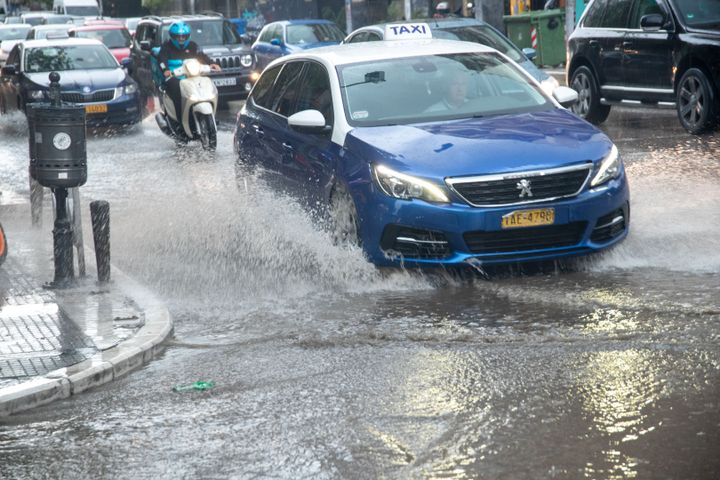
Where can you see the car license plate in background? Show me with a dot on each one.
(529, 218)
(96, 108)
(225, 82)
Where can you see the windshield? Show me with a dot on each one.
(322, 32)
(90, 11)
(435, 87)
(118, 38)
(33, 20)
(77, 57)
(13, 33)
(700, 13)
(484, 35)
(209, 33)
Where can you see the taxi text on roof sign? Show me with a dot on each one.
(407, 31)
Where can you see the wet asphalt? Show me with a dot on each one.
(326, 367)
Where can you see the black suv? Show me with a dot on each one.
(215, 36)
(649, 53)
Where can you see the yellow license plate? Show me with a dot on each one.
(529, 218)
(96, 108)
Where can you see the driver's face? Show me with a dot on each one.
(457, 90)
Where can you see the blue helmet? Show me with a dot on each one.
(180, 34)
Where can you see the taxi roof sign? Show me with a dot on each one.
(407, 31)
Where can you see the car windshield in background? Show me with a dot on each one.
(425, 89)
(700, 13)
(483, 35)
(322, 32)
(76, 57)
(83, 11)
(117, 38)
(34, 20)
(13, 33)
(209, 32)
(58, 19)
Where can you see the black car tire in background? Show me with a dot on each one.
(343, 218)
(208, 132)
(696, 102)
(588, 106)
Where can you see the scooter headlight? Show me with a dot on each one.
(193, 67)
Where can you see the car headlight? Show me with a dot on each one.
(406, 187)
(130, 88)
(246, 60)
(609, 168)
(37, 94)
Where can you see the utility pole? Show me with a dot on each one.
(192, 7)
(408, 9)
(348, 16)
(479, 10)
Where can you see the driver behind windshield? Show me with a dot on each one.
(172, 53)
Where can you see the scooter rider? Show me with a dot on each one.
(172, 53)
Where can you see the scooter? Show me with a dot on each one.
(199, 98)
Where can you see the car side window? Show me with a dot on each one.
(360, 37)
(261, 94)
(616, 14)
(287, 87)
(14, 56)
(594, 15)
(373, 37)
(265, 34)
(316, 92)
(642, 8)
(277, 33)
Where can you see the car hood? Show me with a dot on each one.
(506, 143)
(75, 80)
(219, 51)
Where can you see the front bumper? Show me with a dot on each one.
(124, 110)
(234, 85)
(416, 233)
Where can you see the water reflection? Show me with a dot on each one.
(617, 388)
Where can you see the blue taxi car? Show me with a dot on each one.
(434, 152)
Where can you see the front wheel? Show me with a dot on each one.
(343, 218)
(695, 102)
(588, 106)
(208, 132)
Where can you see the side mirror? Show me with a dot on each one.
(276, 41)
(308, 121)
(565, 96)
(145, 46)
(127, 64)
(530, 53)
(8, 71)
(654, 21)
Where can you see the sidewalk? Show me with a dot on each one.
(57, 343)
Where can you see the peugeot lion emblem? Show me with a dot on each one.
(86, 89)
(524, 187)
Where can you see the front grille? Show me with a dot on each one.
(98, 96)
(609, 226)
(228, 62)
(523, 239)
(414, 242)
(506, 189)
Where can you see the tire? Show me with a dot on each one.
(343, 218)
(588, 106)
(696, 102)
(3, 245)
(208, 132)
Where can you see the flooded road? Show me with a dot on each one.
(326, 367)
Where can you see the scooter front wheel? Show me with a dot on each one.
(208, 132)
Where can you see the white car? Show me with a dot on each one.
(5, 48)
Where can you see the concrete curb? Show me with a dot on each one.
(104, 366)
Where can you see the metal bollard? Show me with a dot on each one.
(62, 242)
(100, 217)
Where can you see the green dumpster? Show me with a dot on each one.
(549, 26)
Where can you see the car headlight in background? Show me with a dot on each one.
(246, 60)
(37, 94)
(609, 168)
(406, 187)
(130, 88)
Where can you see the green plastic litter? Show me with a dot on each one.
(200, 386)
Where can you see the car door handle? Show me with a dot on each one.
(287, 147)
(627, 44)
(259, 131)
(594, 43)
